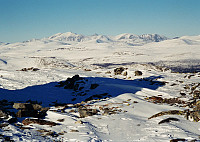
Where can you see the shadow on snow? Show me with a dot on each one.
(48, 93)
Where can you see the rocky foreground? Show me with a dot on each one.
(99, 109)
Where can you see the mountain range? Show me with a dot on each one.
(129, 38)
(125, 38)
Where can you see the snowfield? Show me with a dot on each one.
(100, 88)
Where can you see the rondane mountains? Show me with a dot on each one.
(98, 88)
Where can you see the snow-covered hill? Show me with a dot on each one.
(140, 39)
(2, 43)
(123, 82)
(127, 38)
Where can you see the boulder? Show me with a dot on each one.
(71, 83)
(125, 73)
(30, 110)
(27, 106)
(138, 73)
(118, 71)
(38, 121)
(84, 112)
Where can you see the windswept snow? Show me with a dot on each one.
(30, 71)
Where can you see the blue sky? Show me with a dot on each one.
(21, 20)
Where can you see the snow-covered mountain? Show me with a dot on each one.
(120, 88)
(184, 41)
(2, 43)
(123, 38)
(69, 36)
(139, 39)
(153, 37)
(145, 37)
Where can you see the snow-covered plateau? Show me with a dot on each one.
(77, 88)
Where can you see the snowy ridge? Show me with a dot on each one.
(2, 43)
(100, 88)
(142, 39)
(69, 36)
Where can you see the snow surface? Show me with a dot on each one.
(95, 57)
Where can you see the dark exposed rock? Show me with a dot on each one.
(195, 115)
(61, 120)
(74, 130)
(118, 71)
(97, 96)
(25, 128)
(108, 72)
(27, 106)
(31, 69)
(182, 94)
(81, 87)
(87, 69)
(30, 110)
(178, 140)
(125, 73)
(71, 83)
(170, 112)
(44, 109)
(38, 121)
(84, 112)
(170, 101)
(108, 111)
(35, 69)
(138, 73)
(168, 120)
(53, 134)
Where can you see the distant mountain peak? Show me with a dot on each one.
(133, 39)
(125, 37)
(68, 36)
(3, 43)
(153, 37)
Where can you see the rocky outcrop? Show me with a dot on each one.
(118, 71)
(29, 69)
(71, 83)
(82, 87)
(30, 110)
(138, 73)
(85, 112)
(38, 121)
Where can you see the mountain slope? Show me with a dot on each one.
(130, 38)
(100, 88)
